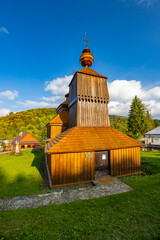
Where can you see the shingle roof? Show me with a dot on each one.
(29, 142)
(61, 118)
(87, 70)
(80, 139)
(20, 138)
(154, 131)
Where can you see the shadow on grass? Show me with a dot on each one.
(39, 163)
(25, 184)
(21, 185)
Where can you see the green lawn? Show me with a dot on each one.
(20, 175)
(132, 215)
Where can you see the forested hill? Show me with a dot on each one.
(119, 123)
(34, 121)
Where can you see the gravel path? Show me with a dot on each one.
(98, 189)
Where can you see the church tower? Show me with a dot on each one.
(81, 144)
(88, 96)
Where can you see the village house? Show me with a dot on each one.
(153, 137)
(5, 145)
(80, 140)
(25, 140)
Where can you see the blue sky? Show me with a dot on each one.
(41, 42)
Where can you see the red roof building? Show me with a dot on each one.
(25, 140)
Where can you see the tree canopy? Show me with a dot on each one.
(32, 121)
(139, 119)
(35, 120)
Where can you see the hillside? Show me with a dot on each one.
(119, 123)
(33, 121)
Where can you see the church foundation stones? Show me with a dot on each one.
(66, 195)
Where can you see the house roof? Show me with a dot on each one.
(82, 139)
(19, 137)
(61, 118)
(22, 136)
(154, 131)
(89, 71)
(29, 142)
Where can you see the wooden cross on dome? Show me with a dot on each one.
(85, 40)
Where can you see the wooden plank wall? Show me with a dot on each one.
(49, 162)
(71, 168)
(73, 108)
(93, 98)
(92, 113)
(92, 86)
(125, 161)
(73, 89)
(73, 115)
(55, 130)
(48, 131)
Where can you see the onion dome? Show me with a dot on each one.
(86, 59)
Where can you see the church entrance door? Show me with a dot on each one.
(102, 163)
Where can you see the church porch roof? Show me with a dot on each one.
(61, 118)
(82, 139)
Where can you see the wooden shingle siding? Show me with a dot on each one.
(81, 139)
(68, 168)
(125, 161)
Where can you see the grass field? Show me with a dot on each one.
(131, 216)
(20, 175)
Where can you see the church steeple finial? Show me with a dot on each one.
(85, 40)
(86, 59)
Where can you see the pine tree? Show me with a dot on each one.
(149, 121)
(137, 118)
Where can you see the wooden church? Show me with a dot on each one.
(80, 139)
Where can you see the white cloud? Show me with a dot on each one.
(4, 112)
(154, 93)
(4, 30)
(9, 94)
(1, 101)
(53, 99)
(34, 104)
(119, 108)
(122, 93)
(59, 85)
(154, 107)
(145, 3)
(125, 90)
